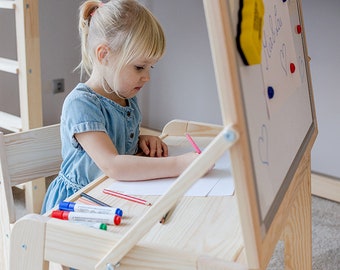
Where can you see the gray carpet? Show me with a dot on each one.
(326, 235)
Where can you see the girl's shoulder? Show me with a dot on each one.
(81, 90)
(81, 93)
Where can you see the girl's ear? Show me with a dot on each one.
(102, 53)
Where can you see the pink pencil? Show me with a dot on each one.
(126, 197)
(198, 150)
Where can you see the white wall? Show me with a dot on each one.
(182, 83)
(59, 55)
(60, 52)
(9, 92)
(322, 25)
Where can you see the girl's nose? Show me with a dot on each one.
(146, 77)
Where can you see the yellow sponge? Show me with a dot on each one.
(249, 31)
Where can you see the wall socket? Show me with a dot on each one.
(58, 86)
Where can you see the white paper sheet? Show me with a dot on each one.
(217, 182)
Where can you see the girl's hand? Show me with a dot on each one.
(153, 146)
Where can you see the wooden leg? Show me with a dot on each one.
(4, 248)
(34, 195)
(5, 231)
(27, 243)
(297, 234)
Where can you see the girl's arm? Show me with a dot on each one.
(100, 148)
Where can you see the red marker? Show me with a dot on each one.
(87, 217)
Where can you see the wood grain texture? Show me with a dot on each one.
(24, 156)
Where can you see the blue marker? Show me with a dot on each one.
(76, 207)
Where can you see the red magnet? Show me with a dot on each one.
(298, 29)
(292, 67)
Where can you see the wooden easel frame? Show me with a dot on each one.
(298, 196)
(292, 222)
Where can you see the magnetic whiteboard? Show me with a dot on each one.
(280, 125)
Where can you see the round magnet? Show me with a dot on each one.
(270, 92)
(298, 29)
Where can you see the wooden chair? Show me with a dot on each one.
(24, 156)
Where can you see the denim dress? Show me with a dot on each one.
(85, 110)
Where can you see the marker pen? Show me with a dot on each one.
(77, 207)
(87, 217)
(101, 226)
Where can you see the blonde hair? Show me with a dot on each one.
(125, 26)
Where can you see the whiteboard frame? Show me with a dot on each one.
(227, 62)
(269, 216)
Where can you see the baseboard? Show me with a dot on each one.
(326, 187)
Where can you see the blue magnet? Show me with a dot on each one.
(270, 92)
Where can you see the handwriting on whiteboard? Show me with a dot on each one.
(280, 64)
(270, 36)
(263, 145)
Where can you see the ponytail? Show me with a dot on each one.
(86, 12)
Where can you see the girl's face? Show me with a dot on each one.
(133, 77)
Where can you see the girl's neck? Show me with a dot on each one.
(98, 88)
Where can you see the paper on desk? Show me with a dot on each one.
(218, 182)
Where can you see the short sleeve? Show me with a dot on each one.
(81, 113)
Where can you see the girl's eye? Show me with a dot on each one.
(142, 67)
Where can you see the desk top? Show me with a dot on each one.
(208, 226)
(205, 225)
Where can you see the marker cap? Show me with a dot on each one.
(119, 212)
(103, 226)
(66, 206)
(60, 214)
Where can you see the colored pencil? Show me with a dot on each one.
(166, 217)
(126, 197)
(198, 150)
(87, 196)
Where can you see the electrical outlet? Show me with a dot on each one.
(58, 86)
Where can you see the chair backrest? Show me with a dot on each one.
(26, 156)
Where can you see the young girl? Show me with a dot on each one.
(120, 42)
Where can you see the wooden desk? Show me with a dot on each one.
(202, 233)
(208, 226)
